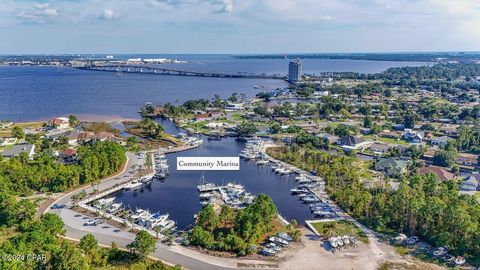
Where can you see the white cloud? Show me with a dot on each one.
(108, 14)
(217, 6)
(40, 12)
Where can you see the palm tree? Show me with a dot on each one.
(296, 235)
(157, 230)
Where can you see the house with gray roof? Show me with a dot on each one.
(471, 183)
(441, 141)
(353, 143)
(15, 150)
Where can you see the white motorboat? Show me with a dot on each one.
(133, 185)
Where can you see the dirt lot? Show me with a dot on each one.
(315, 254)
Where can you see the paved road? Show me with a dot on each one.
(106, 234)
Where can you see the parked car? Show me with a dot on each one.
(58, 206)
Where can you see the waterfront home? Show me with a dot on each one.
(214, 114)
(442, 174)
(391, 167)
(15, 150)
(441, 141)
(68, 156)
(471, 182)
(72, 137)
(467, 159)
(234, 106)
(85, 137)
(413, 136)
(103, 136)
(353, 143)
(60, 123)
(7, 141)
(199, 117)
(379, 148)
(55, 134)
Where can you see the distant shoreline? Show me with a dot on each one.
(82, 118)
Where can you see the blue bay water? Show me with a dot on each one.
(39, 93)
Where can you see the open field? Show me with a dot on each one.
(341, 227)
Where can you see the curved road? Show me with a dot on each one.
(106, 234)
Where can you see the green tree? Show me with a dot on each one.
(73, 121)
(246, 129)
(68, 257)
(143, 244)
(367, 121)
(18, 133)
(207, 219)
(88, 244)
(53, 224)
(226, 215)
(275, 128)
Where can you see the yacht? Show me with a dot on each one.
(134, 185)
(114, 207)
(262, 162)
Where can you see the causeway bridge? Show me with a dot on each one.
(120, 69)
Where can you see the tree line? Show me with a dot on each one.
(422, 205)
(46, 174)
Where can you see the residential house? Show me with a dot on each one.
(103, 136)
(85, 137)
(441, 141)
(442, 174)
(391, 167)
(449, 130)
(379, 148)
(412, 136)
(15, 150)
(234, 106)
(55, 134)
(61, 123)
(471, 183)
(68, 156)
(467, 159)
(202, 117)
(72, 137)
(353, 143)
(331, 138)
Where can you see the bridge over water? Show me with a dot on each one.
(176, 72)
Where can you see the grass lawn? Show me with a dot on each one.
(392, 141)
(238, 116)
(341, 227)
(477, 195)
(365, 165)
(199, 126)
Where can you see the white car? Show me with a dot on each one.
(90, 222)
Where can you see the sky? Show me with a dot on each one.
(237, 26)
